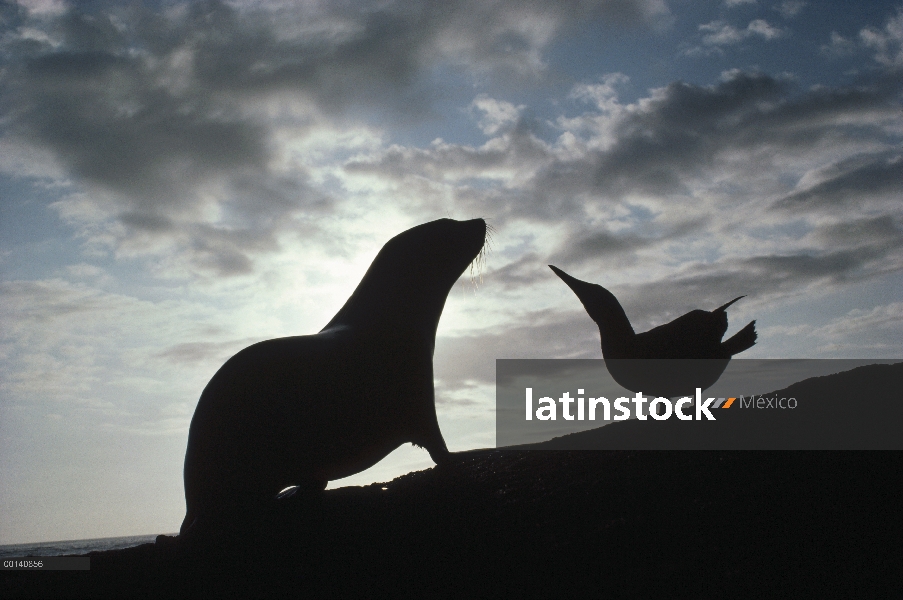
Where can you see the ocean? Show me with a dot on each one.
(75, 546)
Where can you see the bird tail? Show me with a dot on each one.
(724, 308)
(740, 341)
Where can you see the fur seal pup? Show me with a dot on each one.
(304, 410)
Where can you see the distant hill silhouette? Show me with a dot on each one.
(860, 409)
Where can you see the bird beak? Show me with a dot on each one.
(723, 308)
(581, 288)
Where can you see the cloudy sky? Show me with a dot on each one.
(180, 180)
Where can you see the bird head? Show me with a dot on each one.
(603, 308)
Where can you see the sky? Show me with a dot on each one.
(180, 180)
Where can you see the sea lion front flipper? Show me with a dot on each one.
(440, 455)
(431, 439)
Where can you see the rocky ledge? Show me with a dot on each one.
(546, 523)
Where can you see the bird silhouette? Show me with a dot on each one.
(669, 360)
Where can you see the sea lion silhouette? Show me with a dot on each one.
(301, 411)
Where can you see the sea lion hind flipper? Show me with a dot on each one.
(311, 487)
(188, 522)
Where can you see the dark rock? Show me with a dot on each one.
(534, 523)
(550, 523)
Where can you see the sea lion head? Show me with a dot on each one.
(408, 281)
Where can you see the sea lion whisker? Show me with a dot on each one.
(479, 262)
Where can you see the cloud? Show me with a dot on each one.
(533, 334)
(765, 279)
(175, 124)
(679, 131)
(496, 113)
(850, 182)
(46, 325)
(77, 347)
(684, 134)
(203, 352)
(872, 332)
(790, 8)
(722, 34)
(867, 321)
(523, 272)
(839, 46)
(599, 248)
(515, 150)
(604, 95)
(888, 43)
(679, 173)
(655, 147)
(690, 196)
(877, 230)
(44, 7)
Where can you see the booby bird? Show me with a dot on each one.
(694, 337)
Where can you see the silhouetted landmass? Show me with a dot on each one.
(511, 523)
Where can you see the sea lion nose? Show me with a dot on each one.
(476, 230)
(478, 224)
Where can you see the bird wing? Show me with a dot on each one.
(696, 334)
